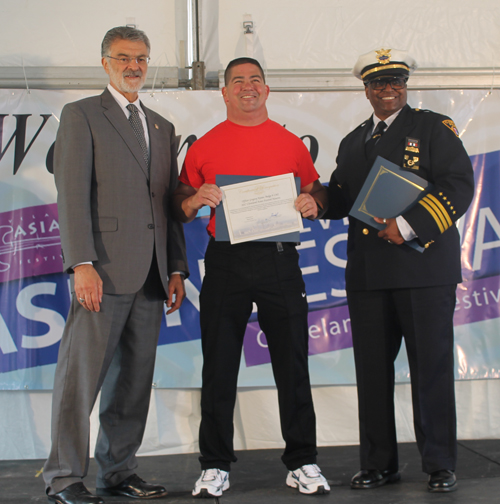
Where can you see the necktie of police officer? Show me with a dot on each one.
(377, 134)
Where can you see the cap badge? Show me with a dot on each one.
(384, 56)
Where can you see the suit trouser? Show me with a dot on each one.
(114, 351)
(236, 276)
(424, 317)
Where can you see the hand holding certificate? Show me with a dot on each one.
(261, 208)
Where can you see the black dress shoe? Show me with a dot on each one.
(134, 487)
(373, 478)
(442, 481)
(75, 494)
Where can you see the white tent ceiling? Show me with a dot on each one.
(303, 45)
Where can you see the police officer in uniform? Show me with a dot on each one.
(394, 291)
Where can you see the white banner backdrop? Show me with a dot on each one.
(34, 294)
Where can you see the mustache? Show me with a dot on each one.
(132, 73)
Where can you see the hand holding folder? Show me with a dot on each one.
(388, 192)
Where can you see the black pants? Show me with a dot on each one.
(424, 317)
(235, 277)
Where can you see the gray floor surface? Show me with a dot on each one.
(259, 477)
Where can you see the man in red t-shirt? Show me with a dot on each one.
(236, 276)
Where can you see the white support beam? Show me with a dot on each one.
(65, 77)
(343, 80)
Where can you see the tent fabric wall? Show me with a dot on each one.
(288, 34)
(333, 33)
(69, 32)
(174, 418)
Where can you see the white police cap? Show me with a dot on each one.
(384, 62)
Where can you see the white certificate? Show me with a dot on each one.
(261, 208)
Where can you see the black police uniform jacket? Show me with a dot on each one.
(373, 263)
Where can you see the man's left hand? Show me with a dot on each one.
(176, 292)
(306, 205)
(391, 232)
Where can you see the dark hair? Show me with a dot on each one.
(242, 61)
(123, 33)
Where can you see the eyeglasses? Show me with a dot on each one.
(380, 84)
(141, 60)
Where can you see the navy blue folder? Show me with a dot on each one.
(388, 192)
(221, 232)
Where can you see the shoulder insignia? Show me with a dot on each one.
(360, 126)
(451, 125)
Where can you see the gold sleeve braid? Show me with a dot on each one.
(439, 210)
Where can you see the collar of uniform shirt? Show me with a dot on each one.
(123, 102)
(387, 121)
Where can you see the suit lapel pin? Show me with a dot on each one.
(156, 126)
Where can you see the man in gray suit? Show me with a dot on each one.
(115, 168)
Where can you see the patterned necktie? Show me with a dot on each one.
(377, 134)
(136, 123)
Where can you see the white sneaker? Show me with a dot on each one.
(308, 479)
(211, 483)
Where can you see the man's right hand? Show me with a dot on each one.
(88, 287)
(187, 200)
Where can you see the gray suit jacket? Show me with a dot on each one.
(110, 213)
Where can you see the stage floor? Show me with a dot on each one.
(259, 477)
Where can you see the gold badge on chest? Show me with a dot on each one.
(411, 159)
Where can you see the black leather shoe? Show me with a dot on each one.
(366, 479)
(75, 494)
(442, 481)
(134, 487)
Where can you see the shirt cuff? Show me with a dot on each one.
(405, 229)
(79, 264)
(182, 273)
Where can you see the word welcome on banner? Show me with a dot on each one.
(35, 294)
